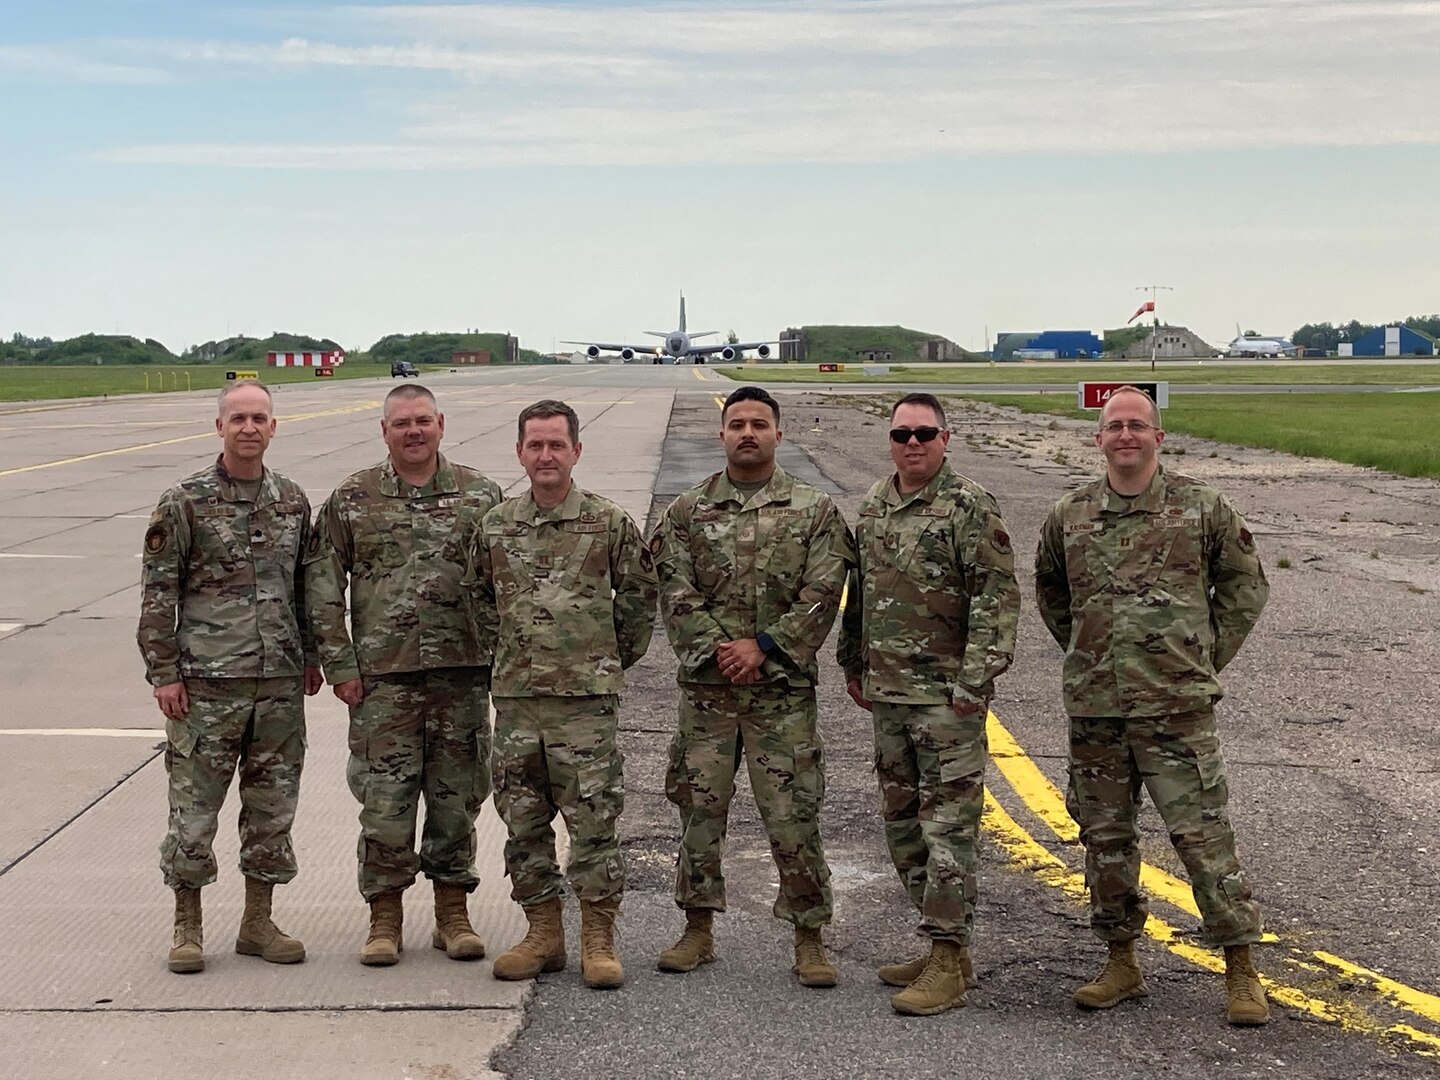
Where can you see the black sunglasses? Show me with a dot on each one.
(902, 435)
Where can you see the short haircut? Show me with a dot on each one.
(1128, 389)
(236, 384)
(752, 393)
(543, 410)
(930, 401)
(408, 392)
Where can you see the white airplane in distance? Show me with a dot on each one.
(1247, 345)
(678, 346)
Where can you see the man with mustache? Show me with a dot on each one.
(415, 675)
(228, 651)
(751, 565)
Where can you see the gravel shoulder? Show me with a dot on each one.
(1329, 729)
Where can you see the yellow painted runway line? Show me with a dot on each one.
(696, 373)
(362, 407)
(1027, 854)
(719, 402)
(1046, 802)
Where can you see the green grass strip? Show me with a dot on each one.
(45, 382)
(1300, 373)
(1398, 433)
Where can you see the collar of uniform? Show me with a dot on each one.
(568, 509)
(394, 486)
(777, 489)
(225, 485)
(1149, 501)
(895, 499)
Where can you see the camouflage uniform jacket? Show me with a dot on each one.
(1149, 597)
(932, 616)
(222, 588)
(730, 569)
(566, 594)
(403, 550)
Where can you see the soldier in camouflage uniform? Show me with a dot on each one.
(228, 653)
(929, 625)
(565, 587)
(415, 674)
(751, 565)
(1150, 583)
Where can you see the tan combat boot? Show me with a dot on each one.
(187, 951)
(386, 940)
(1245, 1004)
(1118, 981)
(904, 974)
(696, 945)
(258, 935)
(542, 948)
(599, 966)
(453, 931)
(810, 962)
(939, 987)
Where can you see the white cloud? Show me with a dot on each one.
(49, 64)
(870, 81)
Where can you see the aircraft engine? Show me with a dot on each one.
(627, 355)
(730, 353)
(762, 351)
(592, 351)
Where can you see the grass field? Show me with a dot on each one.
(43, 382)
(1298, 373)
(1395, 432)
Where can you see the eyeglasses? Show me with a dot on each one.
(902, 435)
(1137, 427)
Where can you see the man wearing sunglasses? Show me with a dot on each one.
(1150, 583)
(928, 626)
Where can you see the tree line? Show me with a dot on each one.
(1327, 338)
(247, 352)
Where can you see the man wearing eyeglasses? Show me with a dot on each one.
(1150, 583)
(928, 627)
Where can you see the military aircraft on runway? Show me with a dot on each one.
(678, 346)
(1255, 345)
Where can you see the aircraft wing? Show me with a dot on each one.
(647, 347)
(739, 346)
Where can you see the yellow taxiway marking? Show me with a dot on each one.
(93, 732)
(1044, 800)
(363, 406)
(696, 372)
(719, 402)
(111, 424)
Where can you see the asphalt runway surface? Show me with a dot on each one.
(1329, 731)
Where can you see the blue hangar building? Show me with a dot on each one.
(1050, 345)
(1393, 341)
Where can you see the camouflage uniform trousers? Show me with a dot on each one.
(257, 725)
(931, 768)
(557, 755)
(421, 733)
(1177, 759)
(774, 728)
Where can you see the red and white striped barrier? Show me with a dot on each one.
(304, 359)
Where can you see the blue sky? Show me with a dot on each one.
(187, 170)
